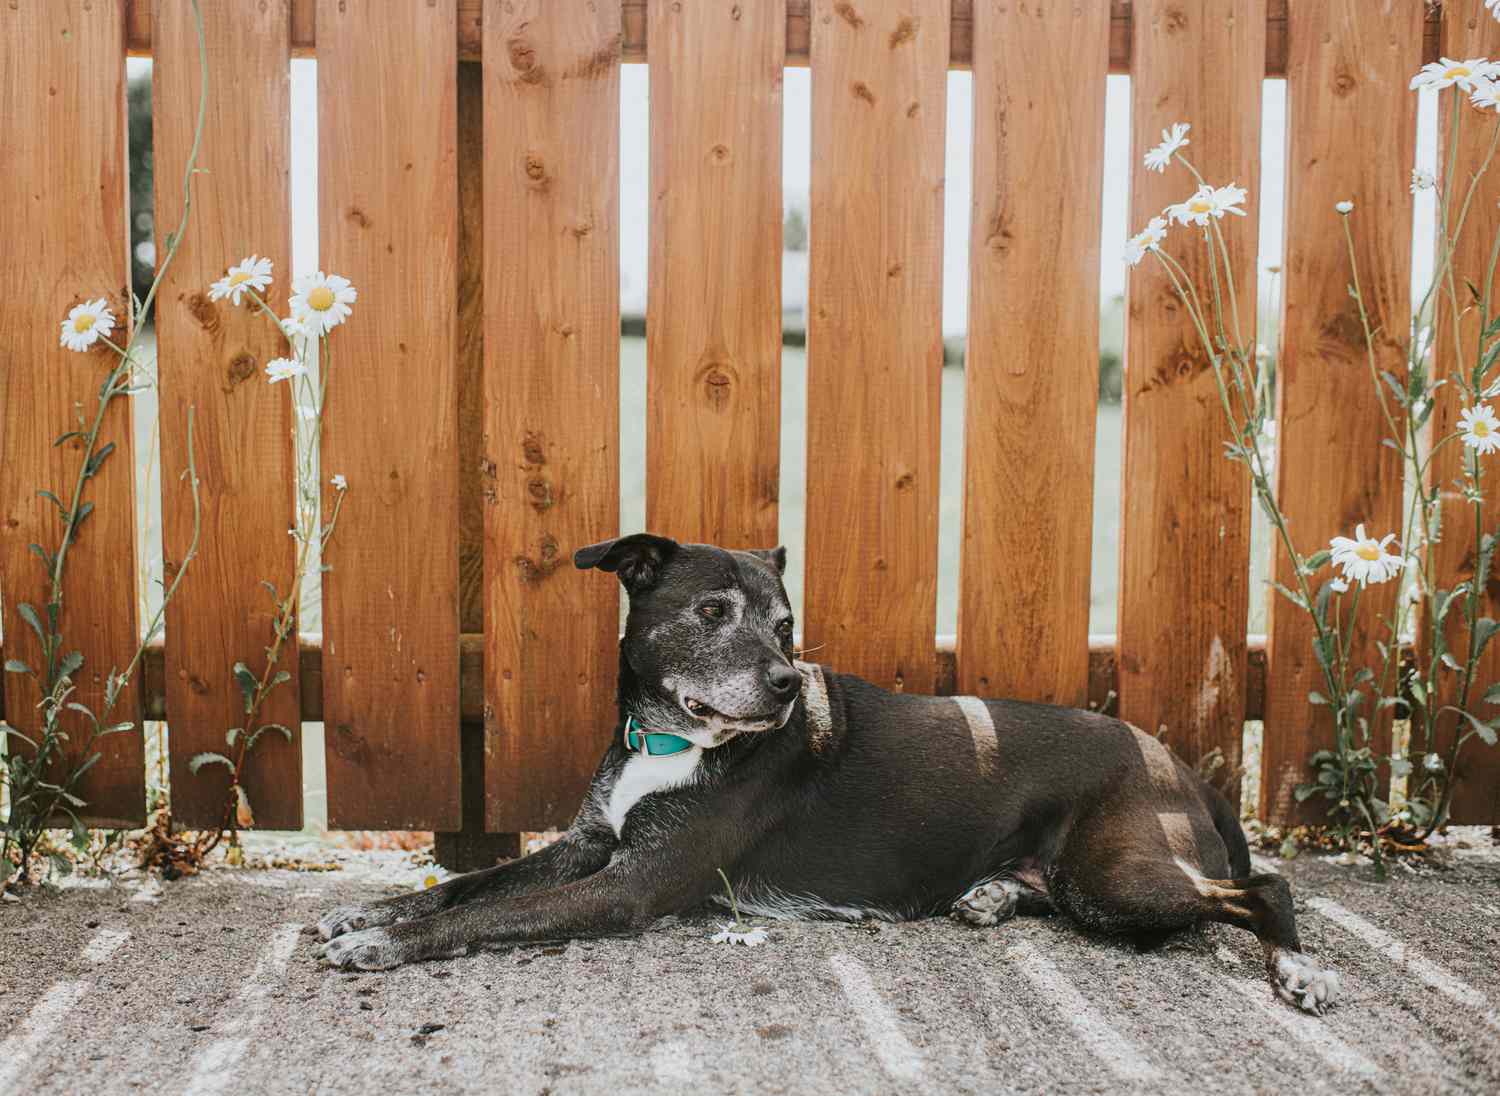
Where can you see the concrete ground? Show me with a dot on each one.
(211, 984)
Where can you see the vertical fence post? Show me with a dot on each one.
(1032, 365)
(63, 240)
(1351, 129)
(1185, 509)
(1468, 30)
(874, 336)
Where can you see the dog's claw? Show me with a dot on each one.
(372, 949)
(987, 904)
(341, 920)
(1299, 981)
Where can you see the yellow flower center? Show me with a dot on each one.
(238, 278)
(320, 299)
(1369, 550)
(83, 323)
(1457, 72)
(1481, 429)
(1200, 205)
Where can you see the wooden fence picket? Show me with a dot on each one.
(713, 310)
(387, 210)
(212, 357)
(1347, 77)
(552, 354)
(874, 336)
(1473, 32)
(1185, 509)
(63, 227)
(1032, 363)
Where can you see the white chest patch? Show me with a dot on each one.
(643, 775)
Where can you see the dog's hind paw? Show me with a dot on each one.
(988, 903)
(1298, 980)
(372, 949)
(347, 919)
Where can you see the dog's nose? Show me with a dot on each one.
(783, 680)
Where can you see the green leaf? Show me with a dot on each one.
(1305, 792)
(97, 460)
(1315, 697)
(1484, 630)
(83, 512)
(232, 734)
(1293, 596)
(28, 614)
(41, 554)
(282, 676)
(61, 438)
(208, 758)
(1316, 560)
(1492, 694)
(248, 685)
(71, 663)
(16, 666)
(287, 731)
(54, 500)
(1485, 732)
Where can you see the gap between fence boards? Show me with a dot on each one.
(1103, 676)
(798, 32)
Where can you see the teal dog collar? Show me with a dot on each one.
(651, 743)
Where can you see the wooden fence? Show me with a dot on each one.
(478, 392)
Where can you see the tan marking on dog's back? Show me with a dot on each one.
(982, 729)
(815, 700)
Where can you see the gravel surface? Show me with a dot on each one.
(210, 984)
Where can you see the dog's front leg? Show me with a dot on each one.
(580, 852)
(627, 896)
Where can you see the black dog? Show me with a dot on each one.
(822, 796)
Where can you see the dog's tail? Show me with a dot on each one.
(1231, 831)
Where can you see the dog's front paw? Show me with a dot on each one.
(348, 919)
(1298, 980)
(372, 949)
(988, 903)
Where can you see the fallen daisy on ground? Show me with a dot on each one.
(738, 933)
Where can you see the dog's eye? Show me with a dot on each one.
(784, 629)
(714, 610)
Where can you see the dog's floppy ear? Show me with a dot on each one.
(638, 559)
(776, 557)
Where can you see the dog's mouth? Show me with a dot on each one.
(707, 713)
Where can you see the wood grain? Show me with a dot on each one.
(1031, 369)
(874, 340)
(1466, 26)
(63, 223)
(1185, 521)
(1347, 93)
(212, 358)
(387, 207)
(552, 418)
(713, 311)
(472, 484)
(798, 31)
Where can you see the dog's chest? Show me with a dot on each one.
(643, 775)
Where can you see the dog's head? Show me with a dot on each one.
(708, 639)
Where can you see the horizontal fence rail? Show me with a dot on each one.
(465, 669)
(634, 37)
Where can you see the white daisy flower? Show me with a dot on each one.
(284, 369)
(1446, 72)
(1171, 140)
(736, 934)
(86, 324)
(322, 301)
(1421, 178)
(293, 328)
(1480, 428)
(1364, 559)
(339, 483)
(1208, 201)
(1345, 207)
(1493, 6)
(1145, 240)
(1486, 95)
(250, 273)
